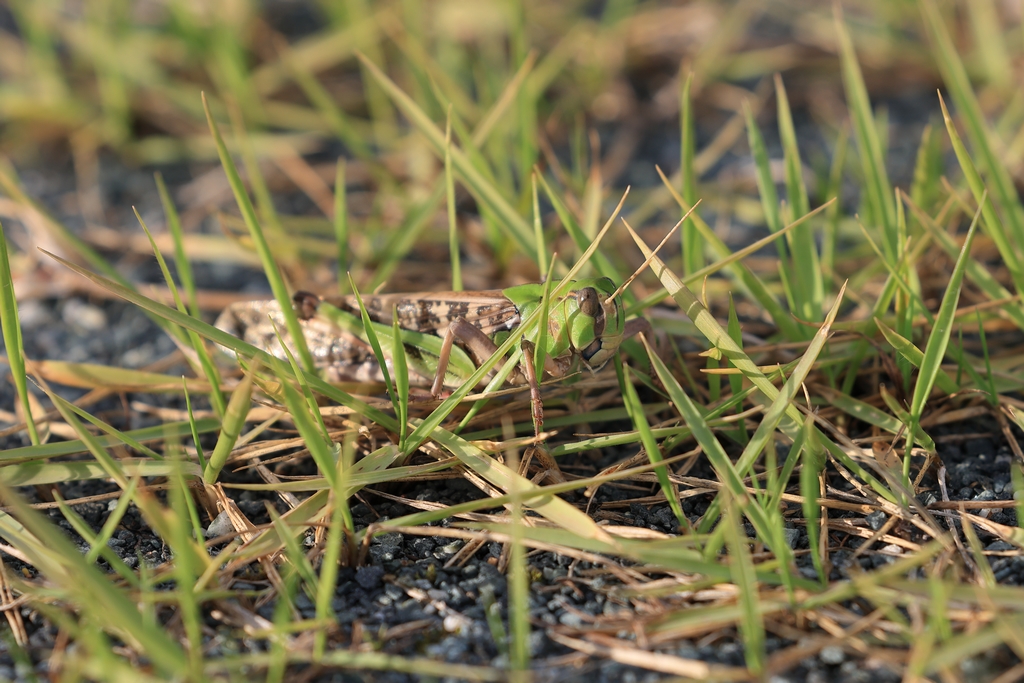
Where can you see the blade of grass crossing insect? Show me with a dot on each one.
(813, 462)
(636, 414)
(449, 189)
(262, 248)
(809, 290)
(959, 84)
(371, 336)
(935, 349)
(495, 383)
(693, 256)
(234, 420)
(993, 223)
(11, 325)
(205, 362)
(301, 379)
(540, 352)
(401, 367)
(741, 567)
(341, 221)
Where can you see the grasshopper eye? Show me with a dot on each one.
(305, 304)
(588, 301)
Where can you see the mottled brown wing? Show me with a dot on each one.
(343, 356)
(431, 312)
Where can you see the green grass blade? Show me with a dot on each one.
(1005, 197)
(262, 247)
(744, 576)
(693, 248)
(804, 271)
(1007, 242)
(935, 349)
(340, 222)
(721, 341)
(876, 179)
(484, 190)
(234, 420)
(12, 338)
(636, 414)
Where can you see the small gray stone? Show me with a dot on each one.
(876, 520)
(82, 316)
(832, 655)
(219, 526)
(369, 576)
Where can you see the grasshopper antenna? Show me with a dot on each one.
(650, 258)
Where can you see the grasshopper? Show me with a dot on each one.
(446, 335)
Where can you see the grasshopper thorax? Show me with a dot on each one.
(597, 325)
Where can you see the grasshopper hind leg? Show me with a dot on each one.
(482, 347)
(479, 345)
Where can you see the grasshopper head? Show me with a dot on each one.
(597, 328)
